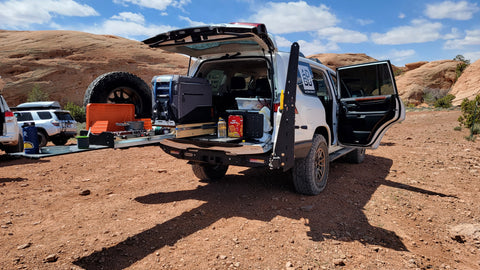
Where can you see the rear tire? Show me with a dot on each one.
(42, 138)
(60, 140)
(209, 172)
(15, 148)
(356, 156)
(311, 173)
(121, 88)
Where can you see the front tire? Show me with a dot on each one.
(311, 173)
(121, 88)
(209, 172)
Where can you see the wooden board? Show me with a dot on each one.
(198, 129)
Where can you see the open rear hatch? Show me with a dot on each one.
(222, 39)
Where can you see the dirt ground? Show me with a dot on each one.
(413, 204)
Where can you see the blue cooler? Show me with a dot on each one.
(30, 139)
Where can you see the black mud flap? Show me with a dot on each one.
(283, 155)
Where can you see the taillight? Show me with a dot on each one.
(9, 114)
(276, 106)
(56, 123)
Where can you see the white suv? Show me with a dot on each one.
(53, 124)
(11, 139)
(293, 112)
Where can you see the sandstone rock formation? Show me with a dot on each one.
(468, 85)
(63, 63)
(432, 76)
(334, 60)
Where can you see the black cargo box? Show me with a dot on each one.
(252, 123)
(191, 100)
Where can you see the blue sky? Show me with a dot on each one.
(403, 31)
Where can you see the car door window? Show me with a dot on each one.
(44, 115)
(24, 116)
(366, 81)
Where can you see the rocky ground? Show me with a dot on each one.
(413, 204)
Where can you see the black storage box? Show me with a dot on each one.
(252, 123)
(191, 100)
(183, 99)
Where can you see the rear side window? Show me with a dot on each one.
(23, 116)
(44, 115)
(64, 116)
(365, 81)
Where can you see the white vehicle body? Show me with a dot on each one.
(52, 123)
(11, 139)
(309, 114)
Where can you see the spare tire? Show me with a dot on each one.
(121, 88)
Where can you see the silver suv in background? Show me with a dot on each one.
(53, 124)
(11, 139)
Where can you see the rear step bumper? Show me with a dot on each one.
(226, 154)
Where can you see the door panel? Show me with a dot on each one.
(369, 103)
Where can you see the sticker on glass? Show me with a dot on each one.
(307, 80)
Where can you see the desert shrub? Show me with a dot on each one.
(37, 94)
(431, 95)
(457, 128)
(476, 129)
(77, 112)
(459, 69)
(461, 66)
(470, 112)
(444, 102)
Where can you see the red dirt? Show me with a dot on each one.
(413, 204)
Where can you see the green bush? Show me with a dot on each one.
(37, 94)
(470, 112)
(77, 112)
(444, 102)
(431, 95)
(457, 128)
(461, 66)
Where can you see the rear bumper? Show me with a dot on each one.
(244, 155)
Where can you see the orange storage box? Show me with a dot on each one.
(113, 113)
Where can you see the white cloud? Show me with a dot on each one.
(401, 16)
(419, 31)
(472, 56)
(472, 38)
(364, 22)
(129, 17)
(340, 35)
(155, 4)
(462, 10)
(454, 34)
(309, 48)
(128, 25)
(19, 14)
(282, 42)
(191, 22)
(291, 17)
(399, 57)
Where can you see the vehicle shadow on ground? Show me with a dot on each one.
(337, 213)
(9, 160)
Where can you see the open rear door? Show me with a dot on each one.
(369, 103)
(283, 155)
